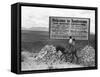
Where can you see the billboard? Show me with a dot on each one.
(64, 27)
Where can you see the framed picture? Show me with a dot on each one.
(52, 38)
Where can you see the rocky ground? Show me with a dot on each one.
(49, 58)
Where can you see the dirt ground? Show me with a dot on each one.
(30, 64)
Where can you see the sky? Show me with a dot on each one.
(39, 16)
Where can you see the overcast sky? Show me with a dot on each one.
(39, 17)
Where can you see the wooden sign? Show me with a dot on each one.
(64, 27)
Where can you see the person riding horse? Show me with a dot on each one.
(70, 52)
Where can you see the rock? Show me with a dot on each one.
(49, 56)
(87, 56)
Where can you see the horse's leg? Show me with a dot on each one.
(76, 57)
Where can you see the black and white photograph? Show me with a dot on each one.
(57, 38)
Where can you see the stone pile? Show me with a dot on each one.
(87, 56)
(48, 55)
